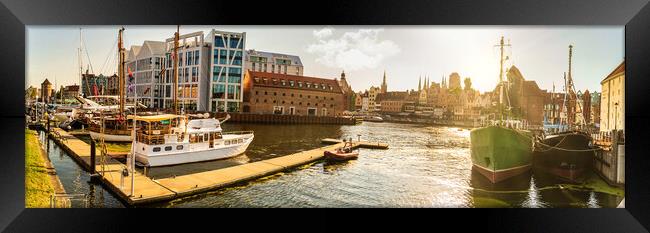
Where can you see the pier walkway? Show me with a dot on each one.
(148, 190)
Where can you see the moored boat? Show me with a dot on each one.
(341, 154)
(168, 139)
(499, 152)
(502, 149)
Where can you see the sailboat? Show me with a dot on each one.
(503, 149)
(116, 125)
(566, 153)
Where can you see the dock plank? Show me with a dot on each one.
(148, 190)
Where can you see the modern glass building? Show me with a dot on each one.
(227, 66)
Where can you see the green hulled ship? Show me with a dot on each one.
(501, 150)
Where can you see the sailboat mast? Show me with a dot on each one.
(120, 69)
(175, 55)
(80, 60)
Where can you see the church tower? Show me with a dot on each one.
(384, 86)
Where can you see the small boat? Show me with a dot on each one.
(341, 154)
(373, 119)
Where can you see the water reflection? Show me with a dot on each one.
(425, 166)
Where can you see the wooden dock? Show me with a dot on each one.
(148, 190)
(362, 144)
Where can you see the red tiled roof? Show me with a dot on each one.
(287, 77)
(615, 72)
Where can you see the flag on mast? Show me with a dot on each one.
(131, 86)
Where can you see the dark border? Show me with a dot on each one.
(635, 14)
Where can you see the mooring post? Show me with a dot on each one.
(92, 156)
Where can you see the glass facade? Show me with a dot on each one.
(227, 71)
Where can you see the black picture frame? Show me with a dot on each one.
(634, 14)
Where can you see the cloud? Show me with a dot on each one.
(353, 50)
(323, 33)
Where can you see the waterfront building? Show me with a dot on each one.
(553, 108)
(46, 91)
(145, 64)
(612, 105)
(348, 93)
(358, 101)
(92, 84)
(273, 93)
(112, 85)
(69, 92)
(365, 102)
(392, 102)
(372, 95)
(586, 106)
(227, 63)
(273, 62)
(595, 108)
(526, 98)
(193, 73)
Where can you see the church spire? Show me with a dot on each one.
(420, 83)
(384, 86)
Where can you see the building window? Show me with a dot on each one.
(197, 57)
(300, 85)
(219, 42)
(291, 94)
(291, 83)
(283, 94)
(275, 93)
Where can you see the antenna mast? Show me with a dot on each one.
(501, 80)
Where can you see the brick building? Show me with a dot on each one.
(526, 98)
(273, 93)
(392, 102)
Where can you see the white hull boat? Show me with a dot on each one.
(180, 153)
(165, 140)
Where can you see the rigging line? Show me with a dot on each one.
(108, 56)
(88, 56)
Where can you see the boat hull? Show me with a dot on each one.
(560, 155)
(168, 159)
(499, 153)
(111, 137)
(340, 157)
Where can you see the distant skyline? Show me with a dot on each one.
(406, 53)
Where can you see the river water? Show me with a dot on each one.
(425, 166)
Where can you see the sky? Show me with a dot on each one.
(405, 53)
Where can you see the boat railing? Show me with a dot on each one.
(150, 139)
(239, 132)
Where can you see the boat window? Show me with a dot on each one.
(240, 140)
(168, 148)
(156, 149)
(179, 147)
(226, 142)
(205, 136)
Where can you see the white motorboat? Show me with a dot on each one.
(168, 139)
